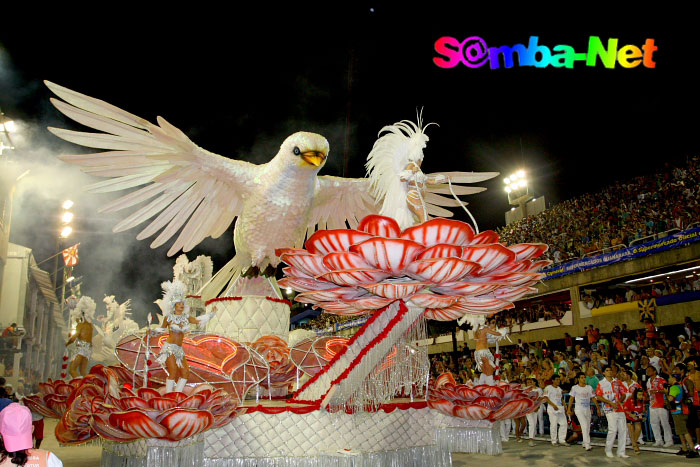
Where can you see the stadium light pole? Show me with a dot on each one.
(518, 190)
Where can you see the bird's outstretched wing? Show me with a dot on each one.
(433, 191)
(339, 200)
(186, 184)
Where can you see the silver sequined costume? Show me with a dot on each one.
(479, 354)
(168, 349)
(83, 348)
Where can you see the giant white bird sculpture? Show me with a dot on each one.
(277, 202)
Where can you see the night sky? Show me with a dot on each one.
(238, 83)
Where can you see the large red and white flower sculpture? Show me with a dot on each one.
(481, 402)
(173, 416)
(440, 265)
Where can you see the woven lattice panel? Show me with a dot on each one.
(288, 434)
(250, 318)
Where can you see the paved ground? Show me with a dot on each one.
(544, 454)
(514, 455)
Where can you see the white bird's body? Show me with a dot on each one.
(281, 198)
(199, 194)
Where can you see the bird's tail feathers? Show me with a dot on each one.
(223, 278)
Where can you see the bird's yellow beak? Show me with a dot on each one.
(314, 158)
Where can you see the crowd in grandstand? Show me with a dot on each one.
(616, 215)
(661, 362)
(324, 321)
(517, 317)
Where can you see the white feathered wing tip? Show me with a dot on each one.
(397, 146)
(173, 292)
(84, 309)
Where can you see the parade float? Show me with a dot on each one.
(371, 249)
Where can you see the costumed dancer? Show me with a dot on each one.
(485, 361)
(177, 321)
(416, 180)
(82, 314)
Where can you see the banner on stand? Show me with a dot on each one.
(637, 251)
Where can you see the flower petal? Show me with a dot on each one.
(330, 295)
(343, 260)
(488, 256)
(329, 241)
(484, 238)
(162, 403)
(388, 254)
(355, 277)
(127, 403)
(441, 270)
(442, 405)
(488, 402)
(511, 408)
(107, 431)
(445, 378)
(472, 412)
(395, 290)
(183, 423)
(440, 230)
(305, 262)
(441, 250)
(513, 293)
(137, 423)
(193, 402)
(303, 284)
(296, 273)
(148, 393)
(528, 250)
(380, 226)
(429, 300)
(465, 288)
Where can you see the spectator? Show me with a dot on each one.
(16, 446)
(658, 415)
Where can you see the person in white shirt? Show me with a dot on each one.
(583, 394)
(613, 393)
(654, 360)
(532, 417)
(555, 410)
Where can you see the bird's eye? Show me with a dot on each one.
(297, 151)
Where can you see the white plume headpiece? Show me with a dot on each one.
(173, 292)
(398, 145)
(84, 309)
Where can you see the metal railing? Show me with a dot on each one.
(605, 250)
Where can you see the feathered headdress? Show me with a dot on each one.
(84, 309)
(398, 145)
(173, 292)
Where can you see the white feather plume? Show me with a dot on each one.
(84, 309)
(173, 292)
(397, 146)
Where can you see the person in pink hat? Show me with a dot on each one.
(16, 440)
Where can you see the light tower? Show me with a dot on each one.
(521, 195)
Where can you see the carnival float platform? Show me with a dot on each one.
(276, 433)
